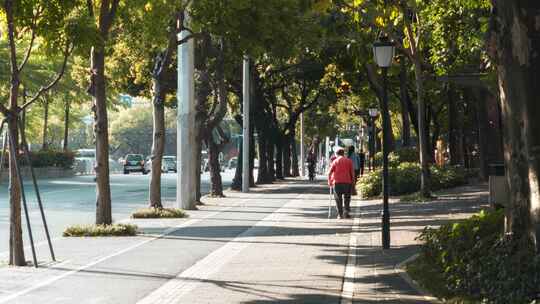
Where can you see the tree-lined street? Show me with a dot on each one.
(423, 111)
(274, 245)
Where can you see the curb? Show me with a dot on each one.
(400, 270)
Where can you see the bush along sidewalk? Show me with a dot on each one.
(152, 213)
(100, 230)
(472, 262)
(405, 179)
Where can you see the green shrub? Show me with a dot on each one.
(100, 230)
(474, 261)
(146, 213)
(405, 179)
(50, 158)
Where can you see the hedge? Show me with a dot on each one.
(50, 158)
(405, 179)
(472, 260)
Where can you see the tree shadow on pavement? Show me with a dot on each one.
(233, 231)
(301, 298)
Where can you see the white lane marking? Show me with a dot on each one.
(172, 291)
(347, 292)
(165, 233)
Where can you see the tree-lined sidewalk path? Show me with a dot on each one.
(274, 245)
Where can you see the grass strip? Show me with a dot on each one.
(152, 213)
(100, 230)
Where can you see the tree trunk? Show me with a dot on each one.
(286, 156)
(161, 64)
(425, 187)
(101, 129)
(378, 90)
(482, 127)
(237, 180)
(158, 143)
(262, 176)
(413, 110)
(427, 124)
(270, 160)
(44, 144)
(16, 245)
(107, 12)
(517, 44)
(66, 124)
(16, 256)
(294, 154)
(219, 114)
(216, 189)
(279, 157)
(435, 135)
(198, 164)
(406, 123)
(453, 134)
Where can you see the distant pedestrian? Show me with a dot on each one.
(341, 177)
(312, 161)
(355, 160)
(362, 156)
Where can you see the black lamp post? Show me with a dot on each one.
(373, 113)
(383, 50)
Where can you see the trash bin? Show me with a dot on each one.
(498, 187)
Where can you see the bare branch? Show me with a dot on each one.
(29, 50)
(67, 52)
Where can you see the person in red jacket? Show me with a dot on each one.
(341, 177)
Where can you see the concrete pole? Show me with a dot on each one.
(245, 127)
(186, 147)
(302, 152)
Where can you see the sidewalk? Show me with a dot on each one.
(274, 245)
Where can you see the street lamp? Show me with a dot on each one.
(383, 51)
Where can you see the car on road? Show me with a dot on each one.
(167, 164)
(134, 163)
(85, 161)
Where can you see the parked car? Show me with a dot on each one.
(85, 161)
(134, 163)
(167, 164)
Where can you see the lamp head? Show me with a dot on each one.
(383, 51)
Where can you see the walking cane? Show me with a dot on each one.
(330, 202)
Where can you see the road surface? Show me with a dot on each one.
(72, 200)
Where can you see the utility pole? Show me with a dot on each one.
(186, 147)
(245, 127)
(302, 152)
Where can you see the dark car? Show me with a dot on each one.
(134, 163)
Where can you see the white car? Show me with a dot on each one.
(168, 164)
(85, 161)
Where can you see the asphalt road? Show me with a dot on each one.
(70, 201)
